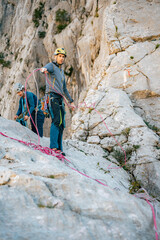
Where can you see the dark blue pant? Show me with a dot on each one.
(56, 135)
(39, 123)
(57, 125)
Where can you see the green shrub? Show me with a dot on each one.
(126, 131)
(4, 63)
(134, 186)
(136, 147)
(62, 16)
(41, 205)
(90, 110)
(152, 127)
(51, 176)
(117, 34)
(62, 19)
(44, 206)
(37, 15)
(120, 156)
(41, 34)
(60, 27)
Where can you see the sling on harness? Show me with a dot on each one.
(44, 105)
(20, 118)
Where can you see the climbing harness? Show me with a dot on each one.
(20, 118)
(44, 105)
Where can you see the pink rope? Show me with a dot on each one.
(154, 219)
(51, 152)
(149, 199)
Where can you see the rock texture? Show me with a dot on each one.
(123, 89)
(112, 72)
(42, 197)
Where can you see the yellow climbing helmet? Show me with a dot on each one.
(60, 51)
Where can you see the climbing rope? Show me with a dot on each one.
(143, 194)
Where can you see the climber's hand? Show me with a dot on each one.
(44, 70)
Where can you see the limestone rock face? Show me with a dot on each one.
(109, 44)
(42, 197)
(112, 72)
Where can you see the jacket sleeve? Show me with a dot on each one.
(49, 67)
(31, 105)
(66, 93)
(19, 108)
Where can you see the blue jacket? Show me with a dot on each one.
(32, 103)
(57, 81)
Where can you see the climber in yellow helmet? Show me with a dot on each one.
(56, 89)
